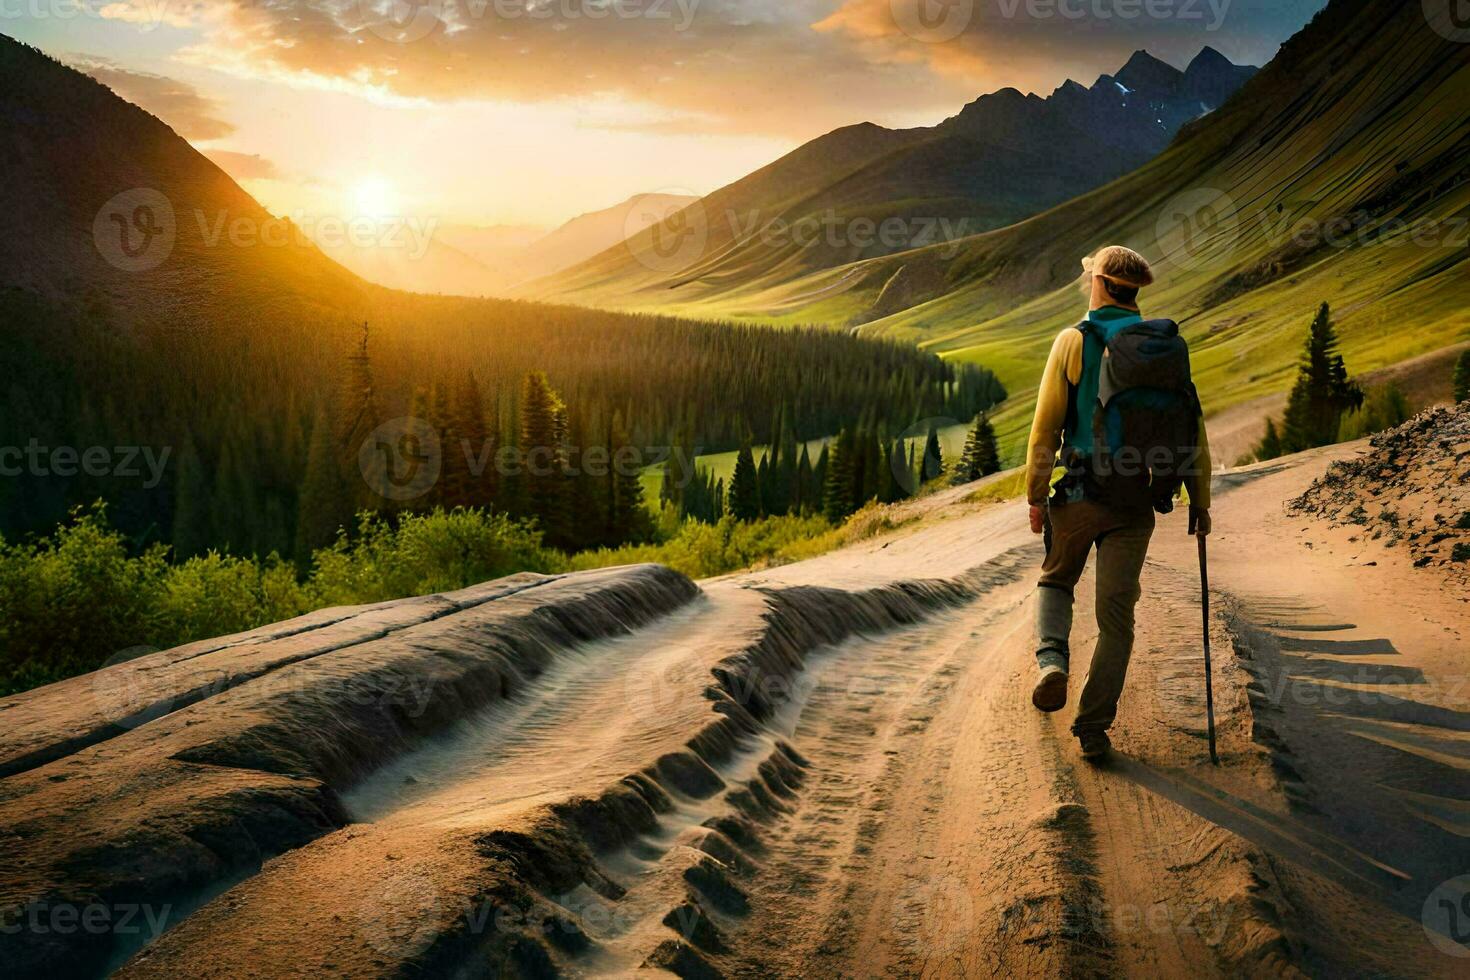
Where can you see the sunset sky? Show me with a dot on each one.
(533, 111)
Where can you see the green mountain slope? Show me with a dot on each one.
(864, 191)
(1341, 172)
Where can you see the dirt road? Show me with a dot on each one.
(826, 769)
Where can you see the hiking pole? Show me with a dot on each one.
(1204, 586)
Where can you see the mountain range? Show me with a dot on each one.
(865, 191)
(1338, 172)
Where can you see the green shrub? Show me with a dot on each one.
(1384, 408)
(72, 601)
(216, 594)
(703, 550)
(435, 552)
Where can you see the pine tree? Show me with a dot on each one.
(191, 529)
(232, 500)
(1270, 445)
(469, 450)
(679, 475)
(627, 519)
(894, 465)
(802, 494)
(745, 492)
(767, 482)
(359, 417)
(543, 456)
(933, 457)
(840, 491)
(788, 492)
(587, 489)
(1462, 377)
(967, 470)
(817, 489)
(987, 450)
(422, 411)
(1323, 393)
(322, 507)
(871, 459)
(701, 499)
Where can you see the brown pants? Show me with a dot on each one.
(1121, 538)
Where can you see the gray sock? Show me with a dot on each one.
(1053, 628)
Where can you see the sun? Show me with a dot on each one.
(374, 197)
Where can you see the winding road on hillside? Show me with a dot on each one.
(829, 769)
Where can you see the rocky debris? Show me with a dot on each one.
(1411, 489)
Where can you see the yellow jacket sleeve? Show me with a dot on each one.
(1198, 483)
(1063, 369)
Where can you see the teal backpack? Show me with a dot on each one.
(1145, 419)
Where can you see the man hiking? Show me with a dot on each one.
(1118, 402)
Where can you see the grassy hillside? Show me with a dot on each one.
(1338, 173)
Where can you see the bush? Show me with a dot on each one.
(72, 601)
(435, 552)
(215, 595)
(703, 550)
(1384, 408)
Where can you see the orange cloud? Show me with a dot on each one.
(752, 66)
(177, 103)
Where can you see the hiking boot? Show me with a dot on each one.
(1095, 745)
(1050, 693)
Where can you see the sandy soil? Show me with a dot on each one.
(826, 769)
